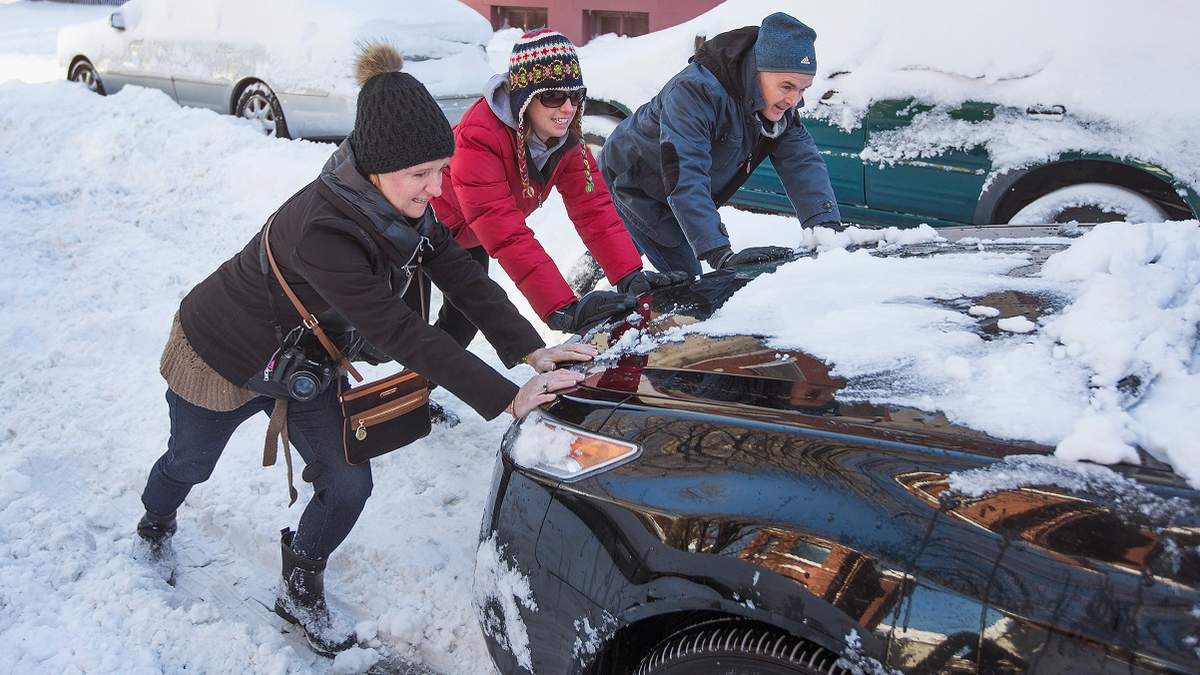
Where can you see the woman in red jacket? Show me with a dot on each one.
(515, 144)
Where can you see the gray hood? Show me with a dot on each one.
(496, 93)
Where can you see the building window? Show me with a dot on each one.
(525, 18)
(631, 24)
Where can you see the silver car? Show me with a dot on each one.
(285, 64)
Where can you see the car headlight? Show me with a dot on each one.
(552, 448)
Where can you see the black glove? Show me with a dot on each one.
(725, 257)
(590, 309)
(642, 281)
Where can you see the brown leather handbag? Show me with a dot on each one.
(379, 416)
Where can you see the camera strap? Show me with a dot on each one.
(307, 318)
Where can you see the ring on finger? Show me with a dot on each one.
(545, 387)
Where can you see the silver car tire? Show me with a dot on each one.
(83, 71)
(258, 103)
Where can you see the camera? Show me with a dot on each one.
(297, 376)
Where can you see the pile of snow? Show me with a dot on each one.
(305, 46)
(499, 48)
(1117, 367)
(1115, 68)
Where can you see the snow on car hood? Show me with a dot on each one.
(1103, 61)
(1088, 345)
(297, 46)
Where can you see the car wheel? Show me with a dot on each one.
(1090, 203)
(258, 103)
(84, 72)
(738, 650)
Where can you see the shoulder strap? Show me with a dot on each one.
(309, 319)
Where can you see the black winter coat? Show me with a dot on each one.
(348, 254)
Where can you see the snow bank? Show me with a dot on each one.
(111, 209)
(1115, 68)
(1110, 364)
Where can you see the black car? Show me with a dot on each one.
(728, 514)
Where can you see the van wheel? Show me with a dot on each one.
(738, 650)
(84, 72)
(258, 103)
(1090, 203)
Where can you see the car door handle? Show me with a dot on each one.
(1051, 112)
(831, 97)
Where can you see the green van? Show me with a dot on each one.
(961, 187)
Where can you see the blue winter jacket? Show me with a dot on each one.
(685, 146)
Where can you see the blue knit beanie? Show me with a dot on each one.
(785, 45)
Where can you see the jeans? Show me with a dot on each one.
(450, 320)
(652, 226)
(199, 435)
(665, 258)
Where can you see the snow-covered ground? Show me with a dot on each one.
(111, 209)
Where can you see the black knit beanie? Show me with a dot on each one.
(398, 123)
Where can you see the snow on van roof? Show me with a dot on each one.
(1105, 62)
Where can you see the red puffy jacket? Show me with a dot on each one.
(482, 203)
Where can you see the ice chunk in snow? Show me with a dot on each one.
(983, 310)
(1016, 324)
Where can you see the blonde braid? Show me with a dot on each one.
(522, 135)
(577, 130)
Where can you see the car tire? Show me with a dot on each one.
(83, 71)
(1089, 203)
(738, 649)
(258, 103)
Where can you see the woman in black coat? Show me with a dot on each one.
(348, 244)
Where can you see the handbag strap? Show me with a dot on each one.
(309, 319)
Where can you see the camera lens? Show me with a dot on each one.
(303, 386)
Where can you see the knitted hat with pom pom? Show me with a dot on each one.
(398, 124)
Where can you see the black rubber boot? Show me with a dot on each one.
(155, 532)
(301, 601)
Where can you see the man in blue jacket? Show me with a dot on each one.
(686, 152)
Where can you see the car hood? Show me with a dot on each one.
(741, 377)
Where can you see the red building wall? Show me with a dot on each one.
(569, 17)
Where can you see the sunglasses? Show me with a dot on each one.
(555, 99)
